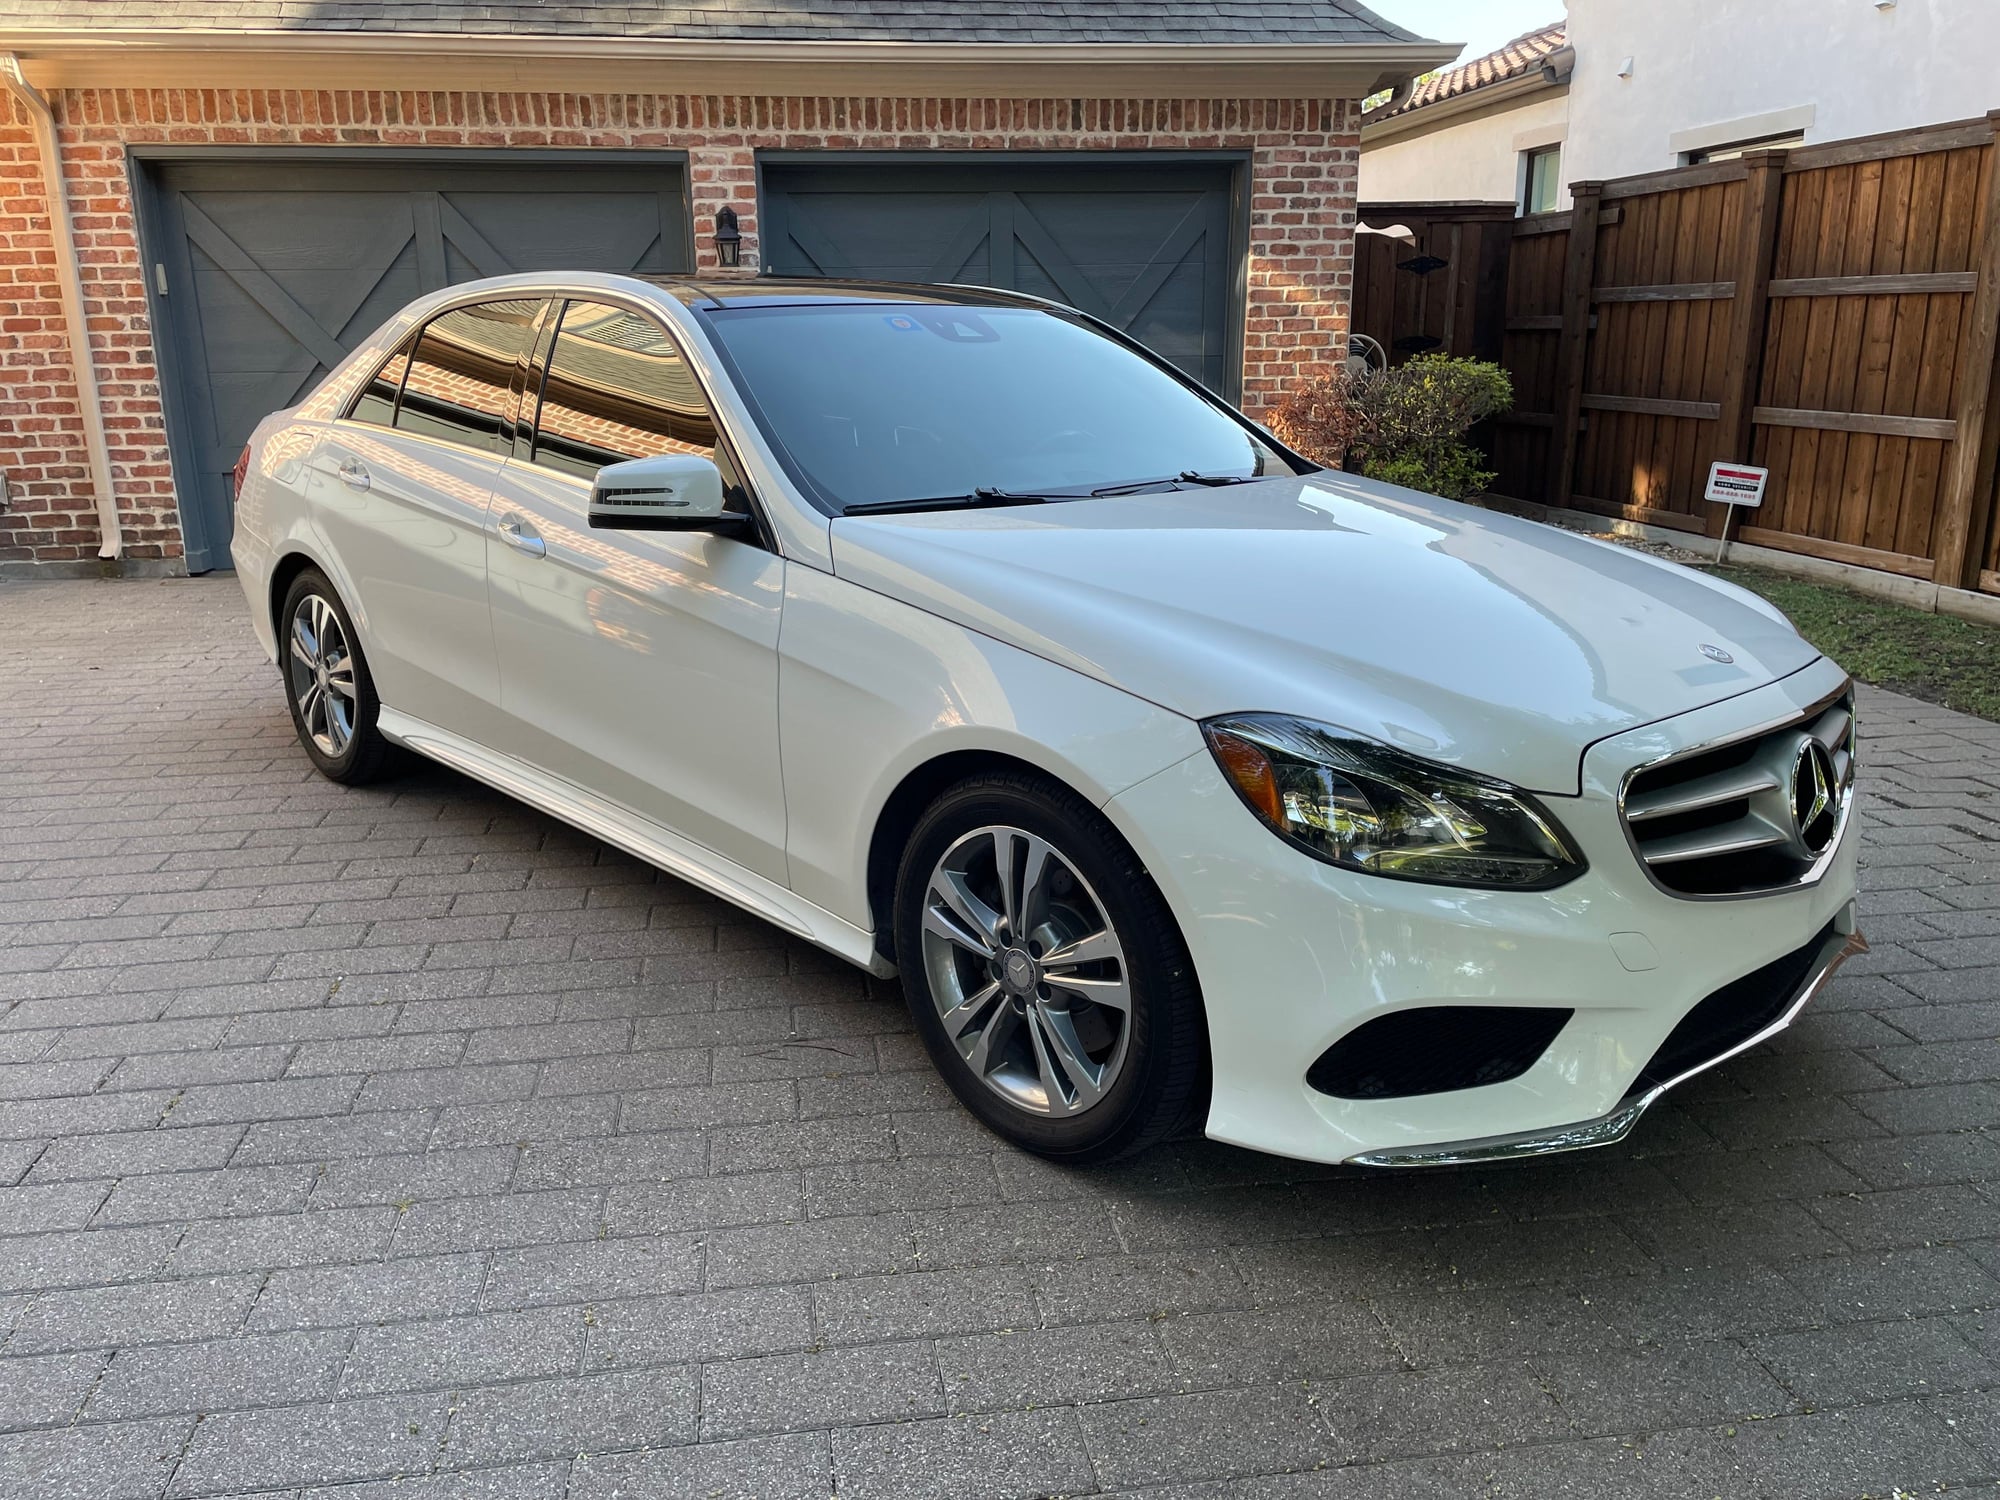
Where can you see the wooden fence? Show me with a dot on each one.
(1829, 312)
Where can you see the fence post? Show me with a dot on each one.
(1489, 288)
(1967, 502)
(1749, 313)
(1573, 350)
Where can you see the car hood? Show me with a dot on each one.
(1465, 635)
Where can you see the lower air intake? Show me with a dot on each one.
(1435, 1049)
(1731, 1016)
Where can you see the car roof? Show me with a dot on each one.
(767, 291)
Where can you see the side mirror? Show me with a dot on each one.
(674, 492)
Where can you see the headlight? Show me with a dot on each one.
(1363, 806)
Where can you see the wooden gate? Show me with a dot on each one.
(1428, 278)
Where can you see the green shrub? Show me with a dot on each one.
(1405, 425)
(1452, 471)
(1432, 401)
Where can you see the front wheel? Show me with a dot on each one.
(327, 684)
(1045, 973)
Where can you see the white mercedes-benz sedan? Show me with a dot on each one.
(1182, 781)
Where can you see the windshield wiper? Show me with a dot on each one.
(984, 495)
(1186, 476)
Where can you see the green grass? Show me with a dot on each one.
(1939, 658)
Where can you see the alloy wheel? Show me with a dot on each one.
(1027, 972)
(321, 664)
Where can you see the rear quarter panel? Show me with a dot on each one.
(273, 517)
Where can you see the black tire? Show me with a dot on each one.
(362, 755)
(1163, 1078)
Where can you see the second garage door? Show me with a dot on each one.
(270, 271)
(1146, 248)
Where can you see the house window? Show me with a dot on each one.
(1541, 179)
(1734, 149)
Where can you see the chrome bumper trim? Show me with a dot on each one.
(1609, 1129)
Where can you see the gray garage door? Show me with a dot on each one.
(273, 270)
(1146, 248)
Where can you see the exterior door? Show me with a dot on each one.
(399, 488)
(641, 665)
(1147, 248)
(267, 272)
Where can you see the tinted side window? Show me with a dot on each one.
(617, 388)
(462, 371)
(377, 401)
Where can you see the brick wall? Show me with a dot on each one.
(51, 512)
(1304, 156)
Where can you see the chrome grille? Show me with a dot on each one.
(1753, 815)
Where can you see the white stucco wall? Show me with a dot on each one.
(1471, 160)
(1848, 67)
(1706, 72)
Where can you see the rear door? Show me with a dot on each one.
(400, 487)
(641, 665)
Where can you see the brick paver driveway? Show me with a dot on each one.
(354, 1134)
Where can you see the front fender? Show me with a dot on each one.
(871, 689)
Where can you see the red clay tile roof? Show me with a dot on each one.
(1525, 54)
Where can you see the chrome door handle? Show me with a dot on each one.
(516, 534)
(353, 473)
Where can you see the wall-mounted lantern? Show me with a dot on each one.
(728, 238)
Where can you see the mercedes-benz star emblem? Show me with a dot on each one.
(1018, 970)
(1716, 653)
(1812, 796)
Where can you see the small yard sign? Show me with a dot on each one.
(1737, 484)
(1733, 485)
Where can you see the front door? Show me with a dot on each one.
(640, 665)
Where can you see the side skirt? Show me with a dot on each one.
(638, 836)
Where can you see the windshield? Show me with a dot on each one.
(883, 402)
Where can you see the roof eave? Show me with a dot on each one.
(664, 65)
(1426, 116)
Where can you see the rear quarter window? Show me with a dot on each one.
(376, 404)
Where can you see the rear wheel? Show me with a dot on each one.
(1045, 973)
(332, 696)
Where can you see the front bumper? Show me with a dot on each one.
(1608, 1129)
(1294, 954)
